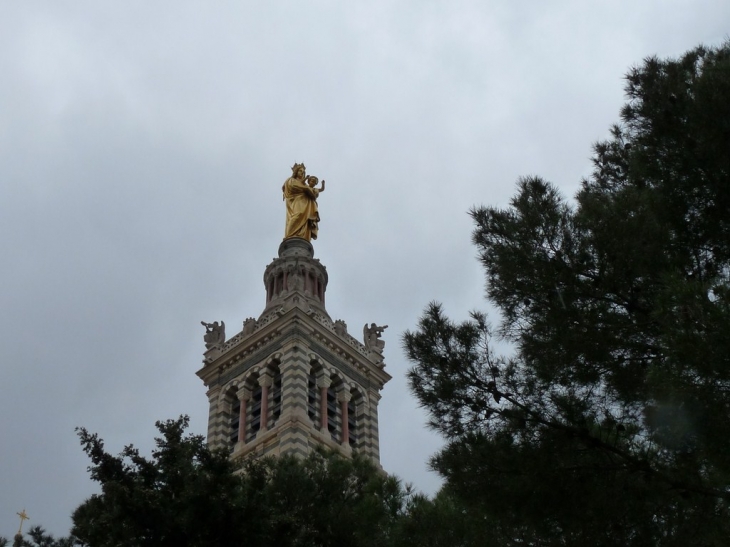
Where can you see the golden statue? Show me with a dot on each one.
(300, 194)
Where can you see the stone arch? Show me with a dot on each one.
(253, 405)
(230, 409)
(261, 390)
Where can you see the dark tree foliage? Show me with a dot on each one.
(444, 521)
(186, 495)
(38, 537)
(183, 495)
(610, 422)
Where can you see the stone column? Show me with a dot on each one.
(344, 396)
(265, 381)
(243, 395)
(294, 368)
(215, 420)
(360, 409)
(323, 383)
(373, 437)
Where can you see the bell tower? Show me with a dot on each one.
(293, 379)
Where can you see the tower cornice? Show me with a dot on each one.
(282, 327)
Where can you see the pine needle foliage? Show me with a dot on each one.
(609, 424)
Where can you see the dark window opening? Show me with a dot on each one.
(255, 414)
(275, 400)
(352, 424)
(312, 399)
(234, 424)
(332, 414)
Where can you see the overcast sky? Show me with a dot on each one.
(143, 146)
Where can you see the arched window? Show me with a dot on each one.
(233, 408)
(234, 425)
(333, 423)
(352, 424)
(314, 394)
(274, 397)
(253, 412)
(334, 410)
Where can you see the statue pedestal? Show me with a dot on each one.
(296, 246)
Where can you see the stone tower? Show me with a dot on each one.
(293, 379)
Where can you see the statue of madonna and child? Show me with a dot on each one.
(302, 214)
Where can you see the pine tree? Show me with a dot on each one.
(188, 495)
(609, 424)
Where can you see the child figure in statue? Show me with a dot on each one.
(312, 181)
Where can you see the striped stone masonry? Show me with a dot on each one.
(293, 379)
